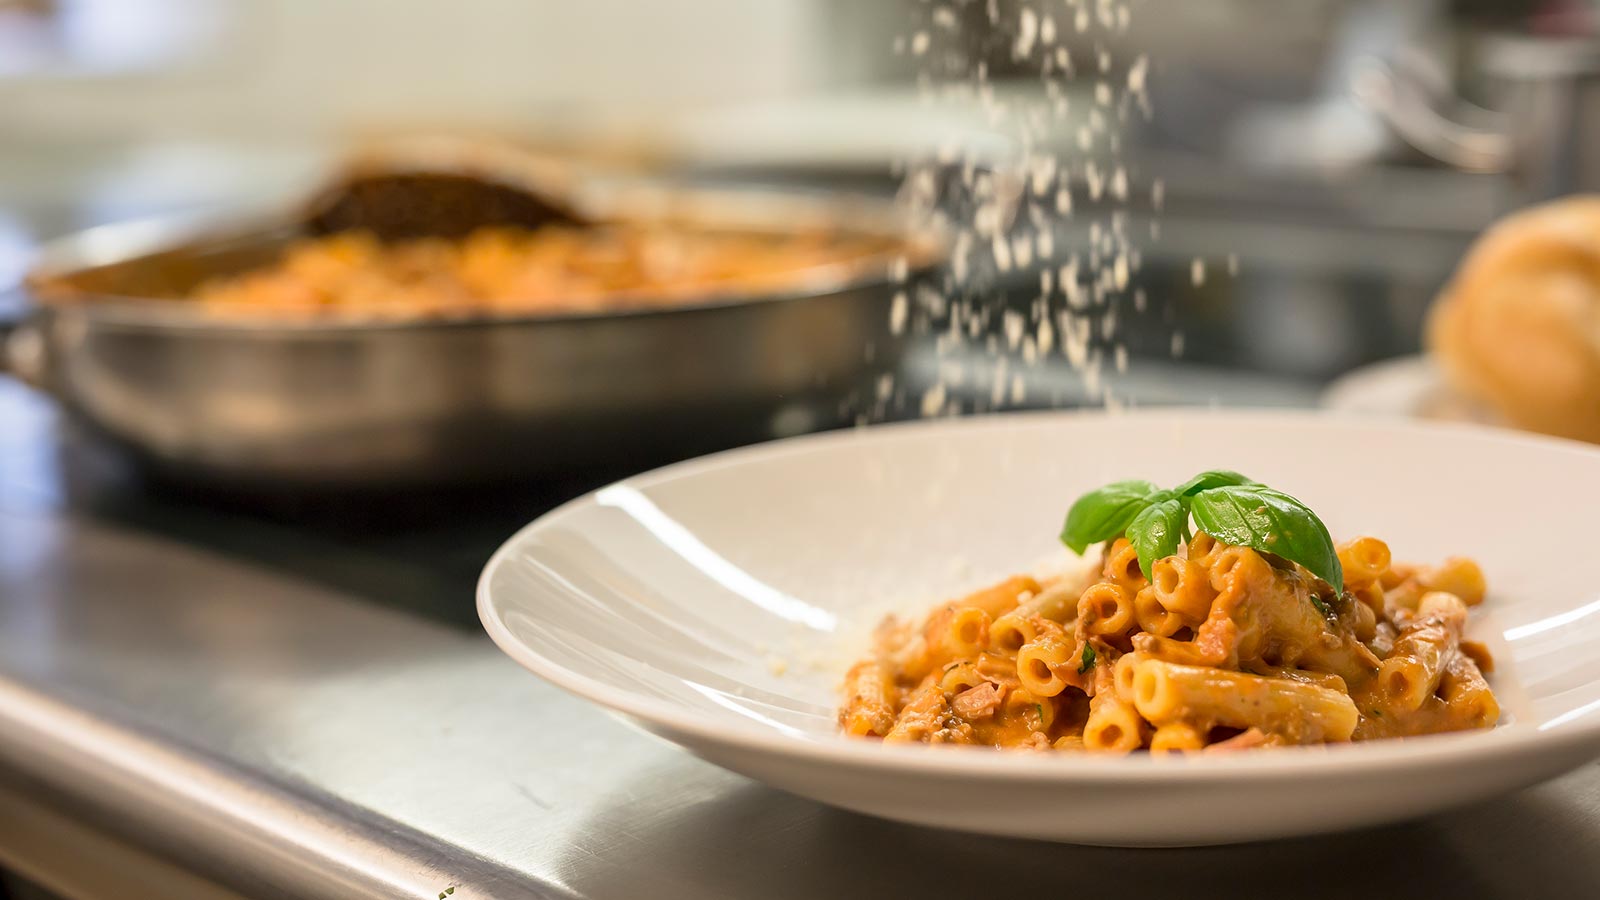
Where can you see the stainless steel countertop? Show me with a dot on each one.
(296, 703)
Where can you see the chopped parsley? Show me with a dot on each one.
(1088, 659)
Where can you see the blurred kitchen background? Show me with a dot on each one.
(1345, 150)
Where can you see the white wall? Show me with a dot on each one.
(316, 65)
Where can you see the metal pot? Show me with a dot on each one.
(270, 404)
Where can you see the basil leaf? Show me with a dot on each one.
(1258, 517)
(1105, 513)
(1087, 662)
(1205, 481)
(1157, 531)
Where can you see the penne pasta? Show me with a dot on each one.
(954, 632)
(1175, 737)
(1058, 602)
(1166, 693)
(1467, 694)
(1037, 713)
(1222, 648)
(1414, 667)
(1122, 675)
(1201, 546)
(1039, 665)
(1122, 566)
(1153, 617)
(1106, 609)
(1183, 586)
(1113, 726)
(961, 676)
(1364, 561)
(966, 633)
(1362, 619)
(921, 718)
(870, 700)
(1458, 576)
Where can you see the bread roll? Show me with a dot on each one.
(1518, 327)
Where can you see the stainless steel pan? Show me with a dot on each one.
(266, 405)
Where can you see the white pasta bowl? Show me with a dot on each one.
(718, 602)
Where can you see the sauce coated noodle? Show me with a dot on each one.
(1224, 649)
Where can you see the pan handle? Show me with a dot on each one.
(10, 321)
(21, 350)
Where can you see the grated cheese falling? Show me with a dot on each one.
(1027, 32)
(1014, 326)
(1053, 215)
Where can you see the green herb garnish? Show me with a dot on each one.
(1106, 513)
(1157, 531)
(1215, 478)
(1226, 505)
(1321, 606)
(1088, 659)
(1039, 708)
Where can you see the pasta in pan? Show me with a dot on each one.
(1223, 647)
(554, 269)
